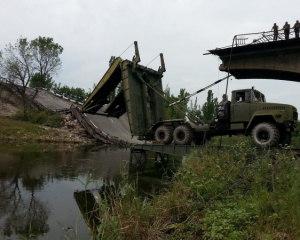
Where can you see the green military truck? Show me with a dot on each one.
(247, 113)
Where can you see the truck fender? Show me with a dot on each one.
(257, 118)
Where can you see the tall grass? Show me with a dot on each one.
(45, 117)
(236, 193)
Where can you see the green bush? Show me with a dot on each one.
(45, 117)
(54, 120)
(229, 220)
(245, 194)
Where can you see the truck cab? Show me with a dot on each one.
(249, 113)
(244, 103)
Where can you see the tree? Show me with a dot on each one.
(74, 93)
(46, 56)
(19, 63)
(38, 80)
(194, 112)
(208, 108)
(179, 110)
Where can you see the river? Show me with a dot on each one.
(40, 191)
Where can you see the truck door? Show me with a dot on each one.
(240, 109)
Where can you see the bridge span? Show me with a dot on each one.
(258, 56)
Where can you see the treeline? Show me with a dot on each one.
(39, 81)
(189, 109)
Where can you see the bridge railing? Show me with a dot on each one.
(259, 37)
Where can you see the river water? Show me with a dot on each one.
(39, 190)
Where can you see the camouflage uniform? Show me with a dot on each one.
(286, 28)
(296, 27)
(275, 29)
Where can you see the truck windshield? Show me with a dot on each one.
(258, 96)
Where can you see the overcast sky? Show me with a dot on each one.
(91, 31)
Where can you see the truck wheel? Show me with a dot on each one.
(183, 135)
(265, 135)
(285, 138)
(164, 134)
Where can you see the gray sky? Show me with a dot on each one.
(91, 31)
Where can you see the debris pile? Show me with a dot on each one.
(73, 131)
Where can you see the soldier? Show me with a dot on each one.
(296, 27)
(286, 28)
(275, 29)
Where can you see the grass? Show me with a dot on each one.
(15, 129)
(235, 193)
(45, 117)
(21, 136)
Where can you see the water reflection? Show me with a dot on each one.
(43, 194)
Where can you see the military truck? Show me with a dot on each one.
(247, 113)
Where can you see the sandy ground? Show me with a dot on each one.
(9, 103)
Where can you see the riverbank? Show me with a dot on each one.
(20, 133)
(235, 193)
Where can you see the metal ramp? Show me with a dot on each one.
(140, 95)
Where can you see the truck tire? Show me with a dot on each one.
(265, 135)
(164, 134)
(183, 135)
(285, 138)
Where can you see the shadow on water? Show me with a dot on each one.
(52, 194)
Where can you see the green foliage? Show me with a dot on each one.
(45, 118)
(56, 87)
(46, 56)
(208, 107)
(245, 194)
(74, 93)
(179, 110)
(229, 220)
(234, 193)
(54, 121)
(194, 112)
(37, 80)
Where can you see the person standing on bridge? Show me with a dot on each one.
(296, 27)
(286, 28)
(275, 30)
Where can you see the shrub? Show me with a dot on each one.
(45, 117)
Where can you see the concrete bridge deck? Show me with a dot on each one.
(263, 58)
(106, 129)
